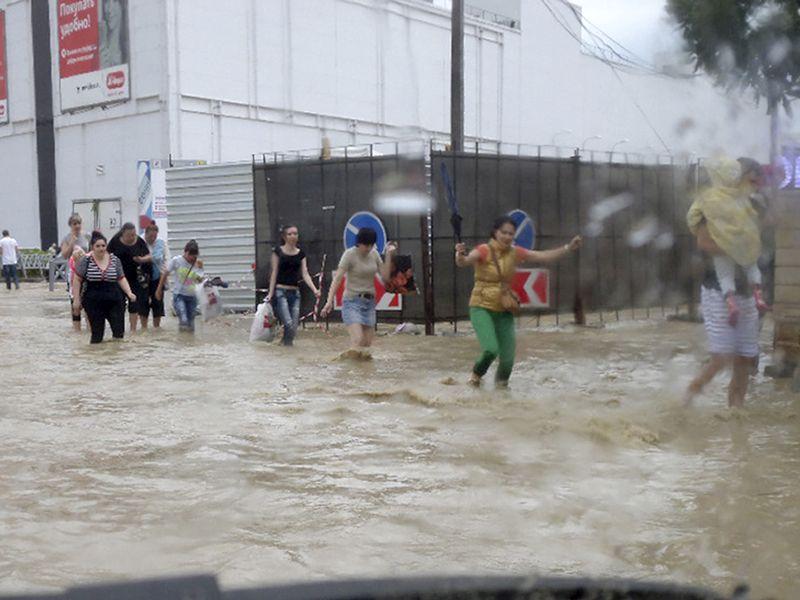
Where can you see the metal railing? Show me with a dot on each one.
(491, 17)
(34, 261)
(479, 13)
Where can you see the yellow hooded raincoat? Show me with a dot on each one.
(728, 212)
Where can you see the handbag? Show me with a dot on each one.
(509, 300)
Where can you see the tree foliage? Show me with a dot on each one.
(745, 43)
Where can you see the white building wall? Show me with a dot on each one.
(97, 149)
(354, 70)
(291, 71)
(19, 199)
(222, 81)
(98, 160)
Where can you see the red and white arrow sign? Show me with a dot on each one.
(532, 287)
(383, 299)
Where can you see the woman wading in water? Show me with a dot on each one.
(491, 308)
(105, 282)
(288, 267)
(360, 264)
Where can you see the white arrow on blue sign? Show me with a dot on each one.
(364, 219)
(526, 232)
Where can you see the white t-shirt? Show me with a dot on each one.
(361, 271)
(9, 246)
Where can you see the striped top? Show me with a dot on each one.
(89, 270)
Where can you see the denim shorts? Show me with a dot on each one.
(358, 311)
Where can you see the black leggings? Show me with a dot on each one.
(99, 310)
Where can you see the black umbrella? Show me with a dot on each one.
(455, 217)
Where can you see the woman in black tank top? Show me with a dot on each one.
(288, 268)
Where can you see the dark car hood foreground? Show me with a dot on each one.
(435, 588)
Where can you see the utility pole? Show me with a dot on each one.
(457, 77)
(456, 145)
(45, 131)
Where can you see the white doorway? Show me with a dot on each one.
(99, 214)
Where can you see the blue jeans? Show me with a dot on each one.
(10, 274)
(287, 307)
(185, 307)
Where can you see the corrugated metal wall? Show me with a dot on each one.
(213, 204)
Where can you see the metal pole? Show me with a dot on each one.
(578, 308)
(559, 233)
(44, 128)
(600, 304)
(346, 184)
(539, 210)
(661, 218)
(455, 268)
(648, 252)
(774, 136)
(427, 280)
(324, 236)
(628, 251)
(692, 276)
(457, 77)
(676, 252)
(615, 278)
(256, 229)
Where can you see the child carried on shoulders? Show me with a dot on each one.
(727, 211)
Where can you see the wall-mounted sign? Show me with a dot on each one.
(93, 52)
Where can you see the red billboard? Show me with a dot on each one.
(93, 52)
(3, 71)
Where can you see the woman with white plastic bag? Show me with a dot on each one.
(264, 324)
(188, 270)
(288, 267)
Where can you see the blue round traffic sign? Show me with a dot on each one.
(364, 219)
(526, 232)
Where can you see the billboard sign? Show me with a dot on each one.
(152, 196)
(93, 52)
(3, 71)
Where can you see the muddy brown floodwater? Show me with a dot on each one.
(166, 455)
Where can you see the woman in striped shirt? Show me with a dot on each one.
(100, 278)
(735, 345)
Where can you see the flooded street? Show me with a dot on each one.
(154, 457)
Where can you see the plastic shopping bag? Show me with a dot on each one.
(210, 301)
(264, 324)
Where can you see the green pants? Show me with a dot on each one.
(495, 331)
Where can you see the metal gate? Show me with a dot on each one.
(213, 204)
(637, 255)
(320, 195)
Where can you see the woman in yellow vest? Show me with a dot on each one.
(495, 264)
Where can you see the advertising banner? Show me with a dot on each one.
(151, 190)
(152, 196)
(93, 52)
(3, 71)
